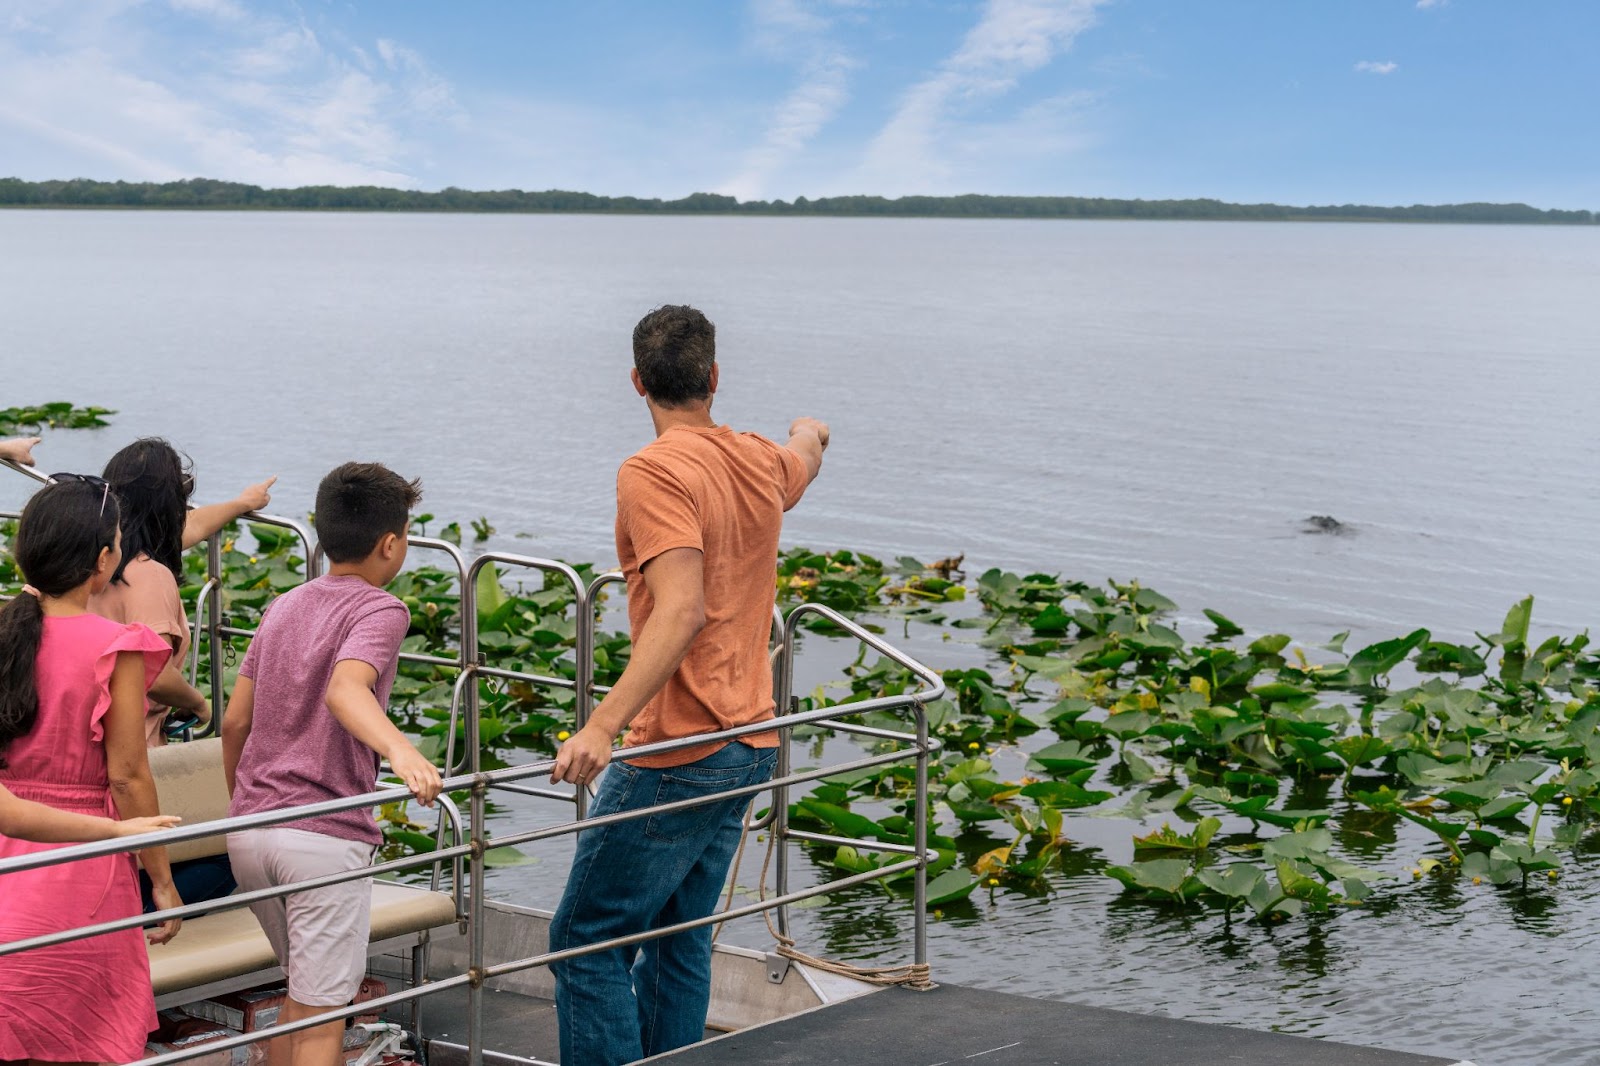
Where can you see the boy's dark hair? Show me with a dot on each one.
(674, 348)
(154, 483)
(59, 538)
(357, 503)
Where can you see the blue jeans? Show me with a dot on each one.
(624, 1004)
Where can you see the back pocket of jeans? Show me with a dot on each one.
(690, 783)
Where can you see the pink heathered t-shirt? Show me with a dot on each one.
(297, 752)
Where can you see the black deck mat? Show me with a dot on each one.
(953, 1026)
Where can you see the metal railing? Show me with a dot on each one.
(475, 843)
(461, 841)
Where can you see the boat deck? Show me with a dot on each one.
(945, 1027)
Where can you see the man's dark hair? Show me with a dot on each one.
(358, 503)
(674, 348)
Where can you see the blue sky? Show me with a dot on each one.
(1293, 101)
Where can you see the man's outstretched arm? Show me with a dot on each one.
(676, 580)
(808, 438)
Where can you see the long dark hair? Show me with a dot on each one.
(58, 542)
(153, 482)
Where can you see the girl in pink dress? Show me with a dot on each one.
(72, 688)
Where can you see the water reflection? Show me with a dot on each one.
(1365, 833)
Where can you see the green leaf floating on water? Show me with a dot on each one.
(272, 538)
(497, 858)
(1376, 660)
(1257, 808)
(491, 596)
(1361, 750)
(1226, 627)
(839, 820)
(950, 886)
(1064, 757)
(1162, 877)
(1064, 794)
(1237, 881)
(1473, 795)
(1269, 645)
(1168, 839)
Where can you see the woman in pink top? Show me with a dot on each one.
(72, 690)
(149, 478)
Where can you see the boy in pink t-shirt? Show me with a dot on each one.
(307, 723)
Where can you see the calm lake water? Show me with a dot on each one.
(1166, 401)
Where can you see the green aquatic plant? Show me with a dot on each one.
(1077, 700)
(15, 421)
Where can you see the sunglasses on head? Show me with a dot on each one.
(87, 479)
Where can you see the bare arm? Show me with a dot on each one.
(676, 579)
(172, 689)
(132, 788)
(808, 438)
(22, 819)
(355, 706)
(236, 725)
(203, 522)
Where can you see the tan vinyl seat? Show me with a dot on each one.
(189, 783)
(228, 948)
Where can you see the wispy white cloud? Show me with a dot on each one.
(228, 10)
(1424, 5)
(265, 101)
(1370, 66)
(799, 32)
(1013, 38)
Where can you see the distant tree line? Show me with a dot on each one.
(209, 193)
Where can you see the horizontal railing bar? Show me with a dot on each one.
(238, 899)
(550, 566)
(504, 968)
(420, 659)
(850, 842)
(27, 471)
(540, 793)
(872, 731)
(215, 827)
(597, 821)
(390, 795)
(522, 675)
(936, 687)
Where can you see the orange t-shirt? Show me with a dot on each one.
(148, 594)
(723, 493)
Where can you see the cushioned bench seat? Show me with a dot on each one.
(227, 950)
(217, 948)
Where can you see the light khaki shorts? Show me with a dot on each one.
(320, 936)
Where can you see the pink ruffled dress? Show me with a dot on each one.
(87, 1000)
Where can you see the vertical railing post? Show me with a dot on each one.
(219, 698)
(782, 700)
(583, 673)
(919, 838)
(475, 963)
(470, 659)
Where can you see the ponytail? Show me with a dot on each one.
(21, 627)
(60, 536)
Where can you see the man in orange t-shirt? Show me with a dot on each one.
(698, 515)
